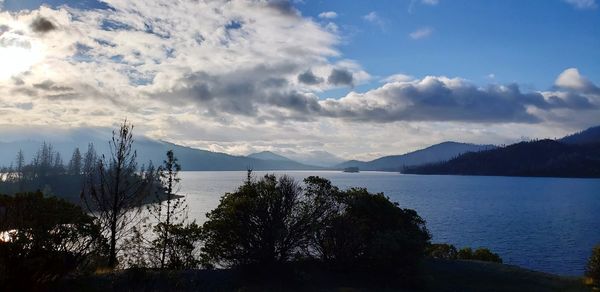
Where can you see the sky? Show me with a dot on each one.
(359, 79)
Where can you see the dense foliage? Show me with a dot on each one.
(274, 220)
(44, 238)
(442, 251)
(264, 222)
(536, 158)
(47, 172)
(449, 252)
(593, 266)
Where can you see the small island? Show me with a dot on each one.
(351, 169)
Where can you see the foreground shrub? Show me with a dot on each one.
(43, 239)
(370, 232)
(593, 266)
(263, 223)
(182, 245)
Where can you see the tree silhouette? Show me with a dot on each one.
(115, 191)
(76, 163)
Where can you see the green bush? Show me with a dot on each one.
(593, 265)
(480, 254)
(442, 251)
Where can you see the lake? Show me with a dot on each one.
(544, 224)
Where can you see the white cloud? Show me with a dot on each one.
(430, 2)
(371, 16)
(583, 4)
(247, 77)
(571, 79)
(421, 33)
(332, 27)
(328, 15)
(374, 18)
(398, 78)
(413, 3)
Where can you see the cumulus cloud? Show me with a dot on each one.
(421, 33)
(451, 99)
(583, 4)
(570, 79)
(328, 15)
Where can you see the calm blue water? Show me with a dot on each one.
(545, 224)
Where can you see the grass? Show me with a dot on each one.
(437, 275)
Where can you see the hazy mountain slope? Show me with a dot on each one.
(147, 149)
(268, 155)
(315, 157)
(436, 153)
(536, 158)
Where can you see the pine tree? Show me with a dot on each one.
(75, 163)
(90, 160)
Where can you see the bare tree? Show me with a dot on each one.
(20, 161)
(20, 173)
(116, 190)
(175, 206)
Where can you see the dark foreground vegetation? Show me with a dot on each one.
(436, 275)
(272, 233)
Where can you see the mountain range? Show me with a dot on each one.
(438, 152)
(576, 155)
(192, 159)
(147, 150)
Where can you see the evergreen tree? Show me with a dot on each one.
(90, 160)
(76, 163)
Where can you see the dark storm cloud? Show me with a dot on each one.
(340, 77)
(309, 78)
(42, 25)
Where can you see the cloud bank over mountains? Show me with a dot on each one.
(230, 75)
